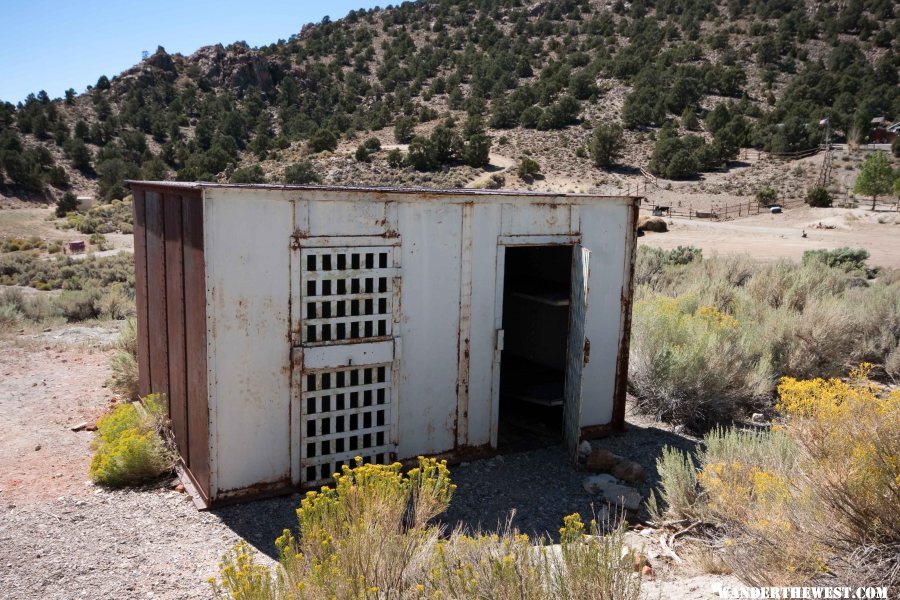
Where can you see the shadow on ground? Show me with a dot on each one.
(541, 487)
(262, 521)
(537, 488)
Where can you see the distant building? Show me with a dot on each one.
(76, 246)
(85, 202)
(881, 132)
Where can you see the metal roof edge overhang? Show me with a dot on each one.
(422, 192)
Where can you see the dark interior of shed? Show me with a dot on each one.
(537, 289)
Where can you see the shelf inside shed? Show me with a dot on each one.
(550, 297)
(534, 383)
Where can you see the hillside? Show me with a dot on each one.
(446, 94)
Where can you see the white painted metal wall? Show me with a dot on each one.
(450, 258)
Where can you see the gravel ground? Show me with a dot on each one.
(62, 537)
(153, 543)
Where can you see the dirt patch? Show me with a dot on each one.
(43, 393)
(769, 237)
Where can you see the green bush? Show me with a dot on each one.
(301, 173)
(606, 145)
(251, 174)
(766, 196)
(9, 317)
(129, 448)
(104, 218)
(362, 153)
(79, 305)
(395, 158)
(848, 259)
(818, 197)
(404, 130)
(804, 500)
(688, 361)
(322, 140)
(66, 204)
(66, 272)
(528, 168)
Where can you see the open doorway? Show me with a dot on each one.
(536, 296)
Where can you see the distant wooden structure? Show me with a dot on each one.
(75, 246)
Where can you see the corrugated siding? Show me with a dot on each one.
(171, 316)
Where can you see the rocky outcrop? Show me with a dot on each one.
(235, 68)
(162, 60)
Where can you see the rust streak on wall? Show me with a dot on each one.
(175, 322)
(621, 386)
(140, 276)
(195, 340)
(156, 293)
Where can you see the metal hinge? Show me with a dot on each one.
(587, 350)
(498, 345)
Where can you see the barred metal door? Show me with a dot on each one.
(347, 357)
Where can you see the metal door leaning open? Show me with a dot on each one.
(346, 364)
(579, 348)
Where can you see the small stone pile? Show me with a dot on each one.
(614, 473)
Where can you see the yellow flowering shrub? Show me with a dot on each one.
(850, 432)
(370, 535)
(810, 496)
(128, 448)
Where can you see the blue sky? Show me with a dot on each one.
(55, 44)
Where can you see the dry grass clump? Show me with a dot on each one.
(813, 500)
(124, 365)
(710, 338)
(117, 216)
(71, 306)
(129, 445)
(370, 536)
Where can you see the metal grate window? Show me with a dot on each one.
(346, 413)
(347, 294)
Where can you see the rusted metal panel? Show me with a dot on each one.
(349, 218)
(465, 324)
(174, 254)
(607, 232)
(485, 228)
(406, 194)
(429, 326)
(140, 285)
(156, 293)
(576, 354)
(621, 385)
(195, 340)
(535, 219)
(248, 248)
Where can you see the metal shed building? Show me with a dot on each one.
(293, 328)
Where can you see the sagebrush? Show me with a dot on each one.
(712, 337)
(814, 499)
